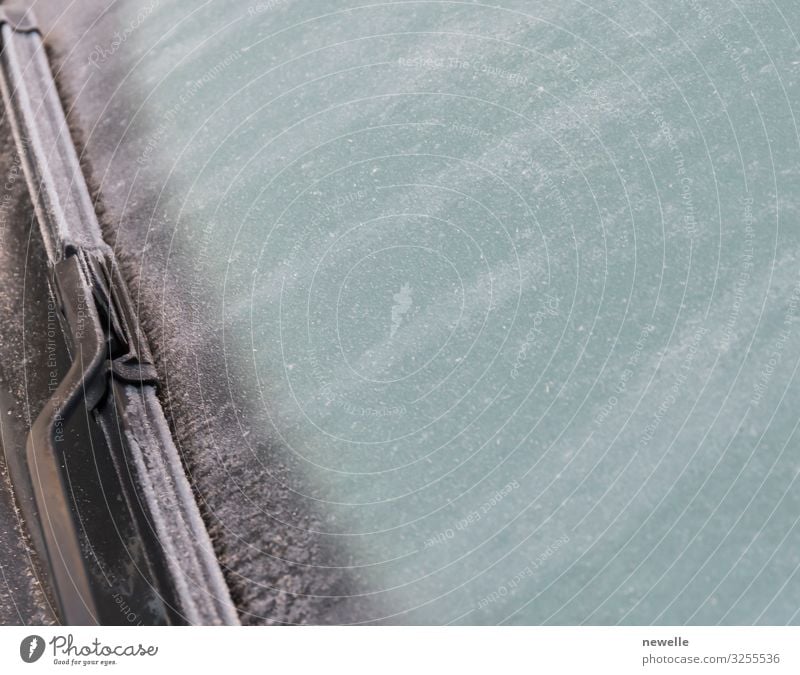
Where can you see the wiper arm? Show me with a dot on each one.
(104, 412)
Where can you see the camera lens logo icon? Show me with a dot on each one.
(31, 648)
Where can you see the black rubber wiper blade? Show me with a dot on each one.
(104, 414)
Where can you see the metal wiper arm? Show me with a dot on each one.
(105, 407)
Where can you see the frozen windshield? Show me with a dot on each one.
(467, 313)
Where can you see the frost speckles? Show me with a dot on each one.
(402, 303)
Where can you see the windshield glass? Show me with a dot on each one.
(465, 313)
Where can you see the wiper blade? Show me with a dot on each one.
(101, 438)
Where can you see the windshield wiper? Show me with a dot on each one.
(99, 480)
